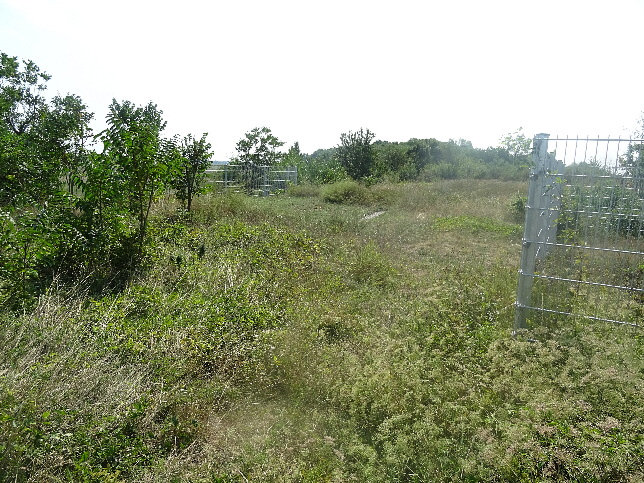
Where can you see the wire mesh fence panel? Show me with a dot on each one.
(583, 243)
(251, 179)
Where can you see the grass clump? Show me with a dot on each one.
(369, 266)
(349, 192)
(346, 192)
(303, 190)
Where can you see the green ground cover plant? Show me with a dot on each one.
(296, 339)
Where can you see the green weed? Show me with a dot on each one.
(517, 208)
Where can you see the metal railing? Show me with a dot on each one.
(583, 243)
(251, 179)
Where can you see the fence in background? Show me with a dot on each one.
(251, 179)
(583, 243)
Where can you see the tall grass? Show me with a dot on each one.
(295, 339)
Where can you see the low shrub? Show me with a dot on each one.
(303, 190)
(370, 267)
(517, 208)
(346, 192)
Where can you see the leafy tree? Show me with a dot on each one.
(13, 166)
(41, 144)
(517, 145)
(422, 152)
(21, 107)
(144, 162)
(356, 153)
(65, 135)
(322, 166)
(293, 157)
(104, 210)
(20, 100)
(390, 158)
(195, 155)
(463, 143)
(258, 147)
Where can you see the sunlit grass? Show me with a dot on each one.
(293, 339)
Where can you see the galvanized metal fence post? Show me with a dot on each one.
(603, 226)
(265, 185)
(530, 247)
(550, 203)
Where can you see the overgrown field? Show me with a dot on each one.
(298, 338)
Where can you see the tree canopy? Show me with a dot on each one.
(195, 158)
(259, 147)
(356, 153)
(66, 208)
(40, 141)
(145, 163)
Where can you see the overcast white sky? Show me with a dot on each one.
(312, 70)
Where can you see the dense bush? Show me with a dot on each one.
(67, 212)
(518, 207)
(321, 167)
(303, 190)
(347, 192)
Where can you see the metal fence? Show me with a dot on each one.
(583, 242)
(251, 179)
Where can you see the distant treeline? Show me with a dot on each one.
(413, 160)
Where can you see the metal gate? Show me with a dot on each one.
(583, 243)
(252, 179)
